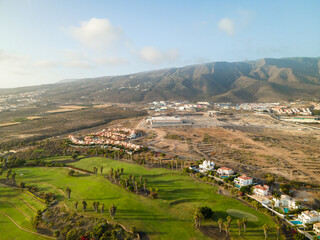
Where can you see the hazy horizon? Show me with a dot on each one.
(46, 42)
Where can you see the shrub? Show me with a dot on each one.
(206, 212)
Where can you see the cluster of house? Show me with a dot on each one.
(177, 105)
(112, 137)
(116, 133)
(285, 201)
(282, 110)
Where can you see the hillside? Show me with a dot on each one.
(255, 81)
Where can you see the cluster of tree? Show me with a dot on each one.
(246, 189)
(285, 188)
(37, 219)
(200, 214)
(95, 205)
(75, 226)
(42, 149)
(10, 176)
(42, 163)
(131, 183)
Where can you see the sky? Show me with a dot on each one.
(44, 41)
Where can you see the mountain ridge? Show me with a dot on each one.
(268, 79)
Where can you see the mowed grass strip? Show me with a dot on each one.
(7, 205)
(10, 231)
(169, 217)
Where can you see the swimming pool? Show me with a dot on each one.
(286, 210)
(296, 222)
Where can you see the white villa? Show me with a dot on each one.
(261, 190)
(316, 228)
(243, 180)
(206, 166)
(224, 171)
(309, 216)
(285, 201)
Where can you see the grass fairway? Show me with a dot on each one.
(169, 217)
(20, 207)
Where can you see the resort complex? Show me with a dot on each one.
(108, 137)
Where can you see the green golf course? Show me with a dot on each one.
(168, 217)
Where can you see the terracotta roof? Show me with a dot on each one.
(263, 188)
(225, 168)
(245, 177)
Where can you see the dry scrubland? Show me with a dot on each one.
(249, 143)
(62, 123)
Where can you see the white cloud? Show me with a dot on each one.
(152, 55)
(98, 34)
(113, 60)
(21, 70)
(44, 64)
(227, 25)
(77, 59)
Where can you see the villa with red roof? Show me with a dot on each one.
(225, 171)
(261, 190)
(243, 180)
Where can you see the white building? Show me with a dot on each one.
(243, 180)
(206, 166)
(285, 201)
(164, 120)
(261, 190)
(316, 228)
(224, 171)
(309, 216)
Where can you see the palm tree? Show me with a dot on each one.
(84, 205)
(76, 205)
(144, 185)
(239, 223)
(226, 227)
(102, 208)
(278, 227)
(97, 206)
(8, 174)
(229, 219)
(136, 187)
(220, 222)
(266, 228)
(13, 176)
(197, 216)
(244, 221)
(112, 211)
(68, 190)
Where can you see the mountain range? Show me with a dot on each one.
(264, 80)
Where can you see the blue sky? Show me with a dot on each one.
(46, 41)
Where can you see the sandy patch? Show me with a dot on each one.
(67, 109)
(9, 124)
(33, 117)
(102, 106)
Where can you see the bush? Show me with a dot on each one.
(206, 212)
(71, 173)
